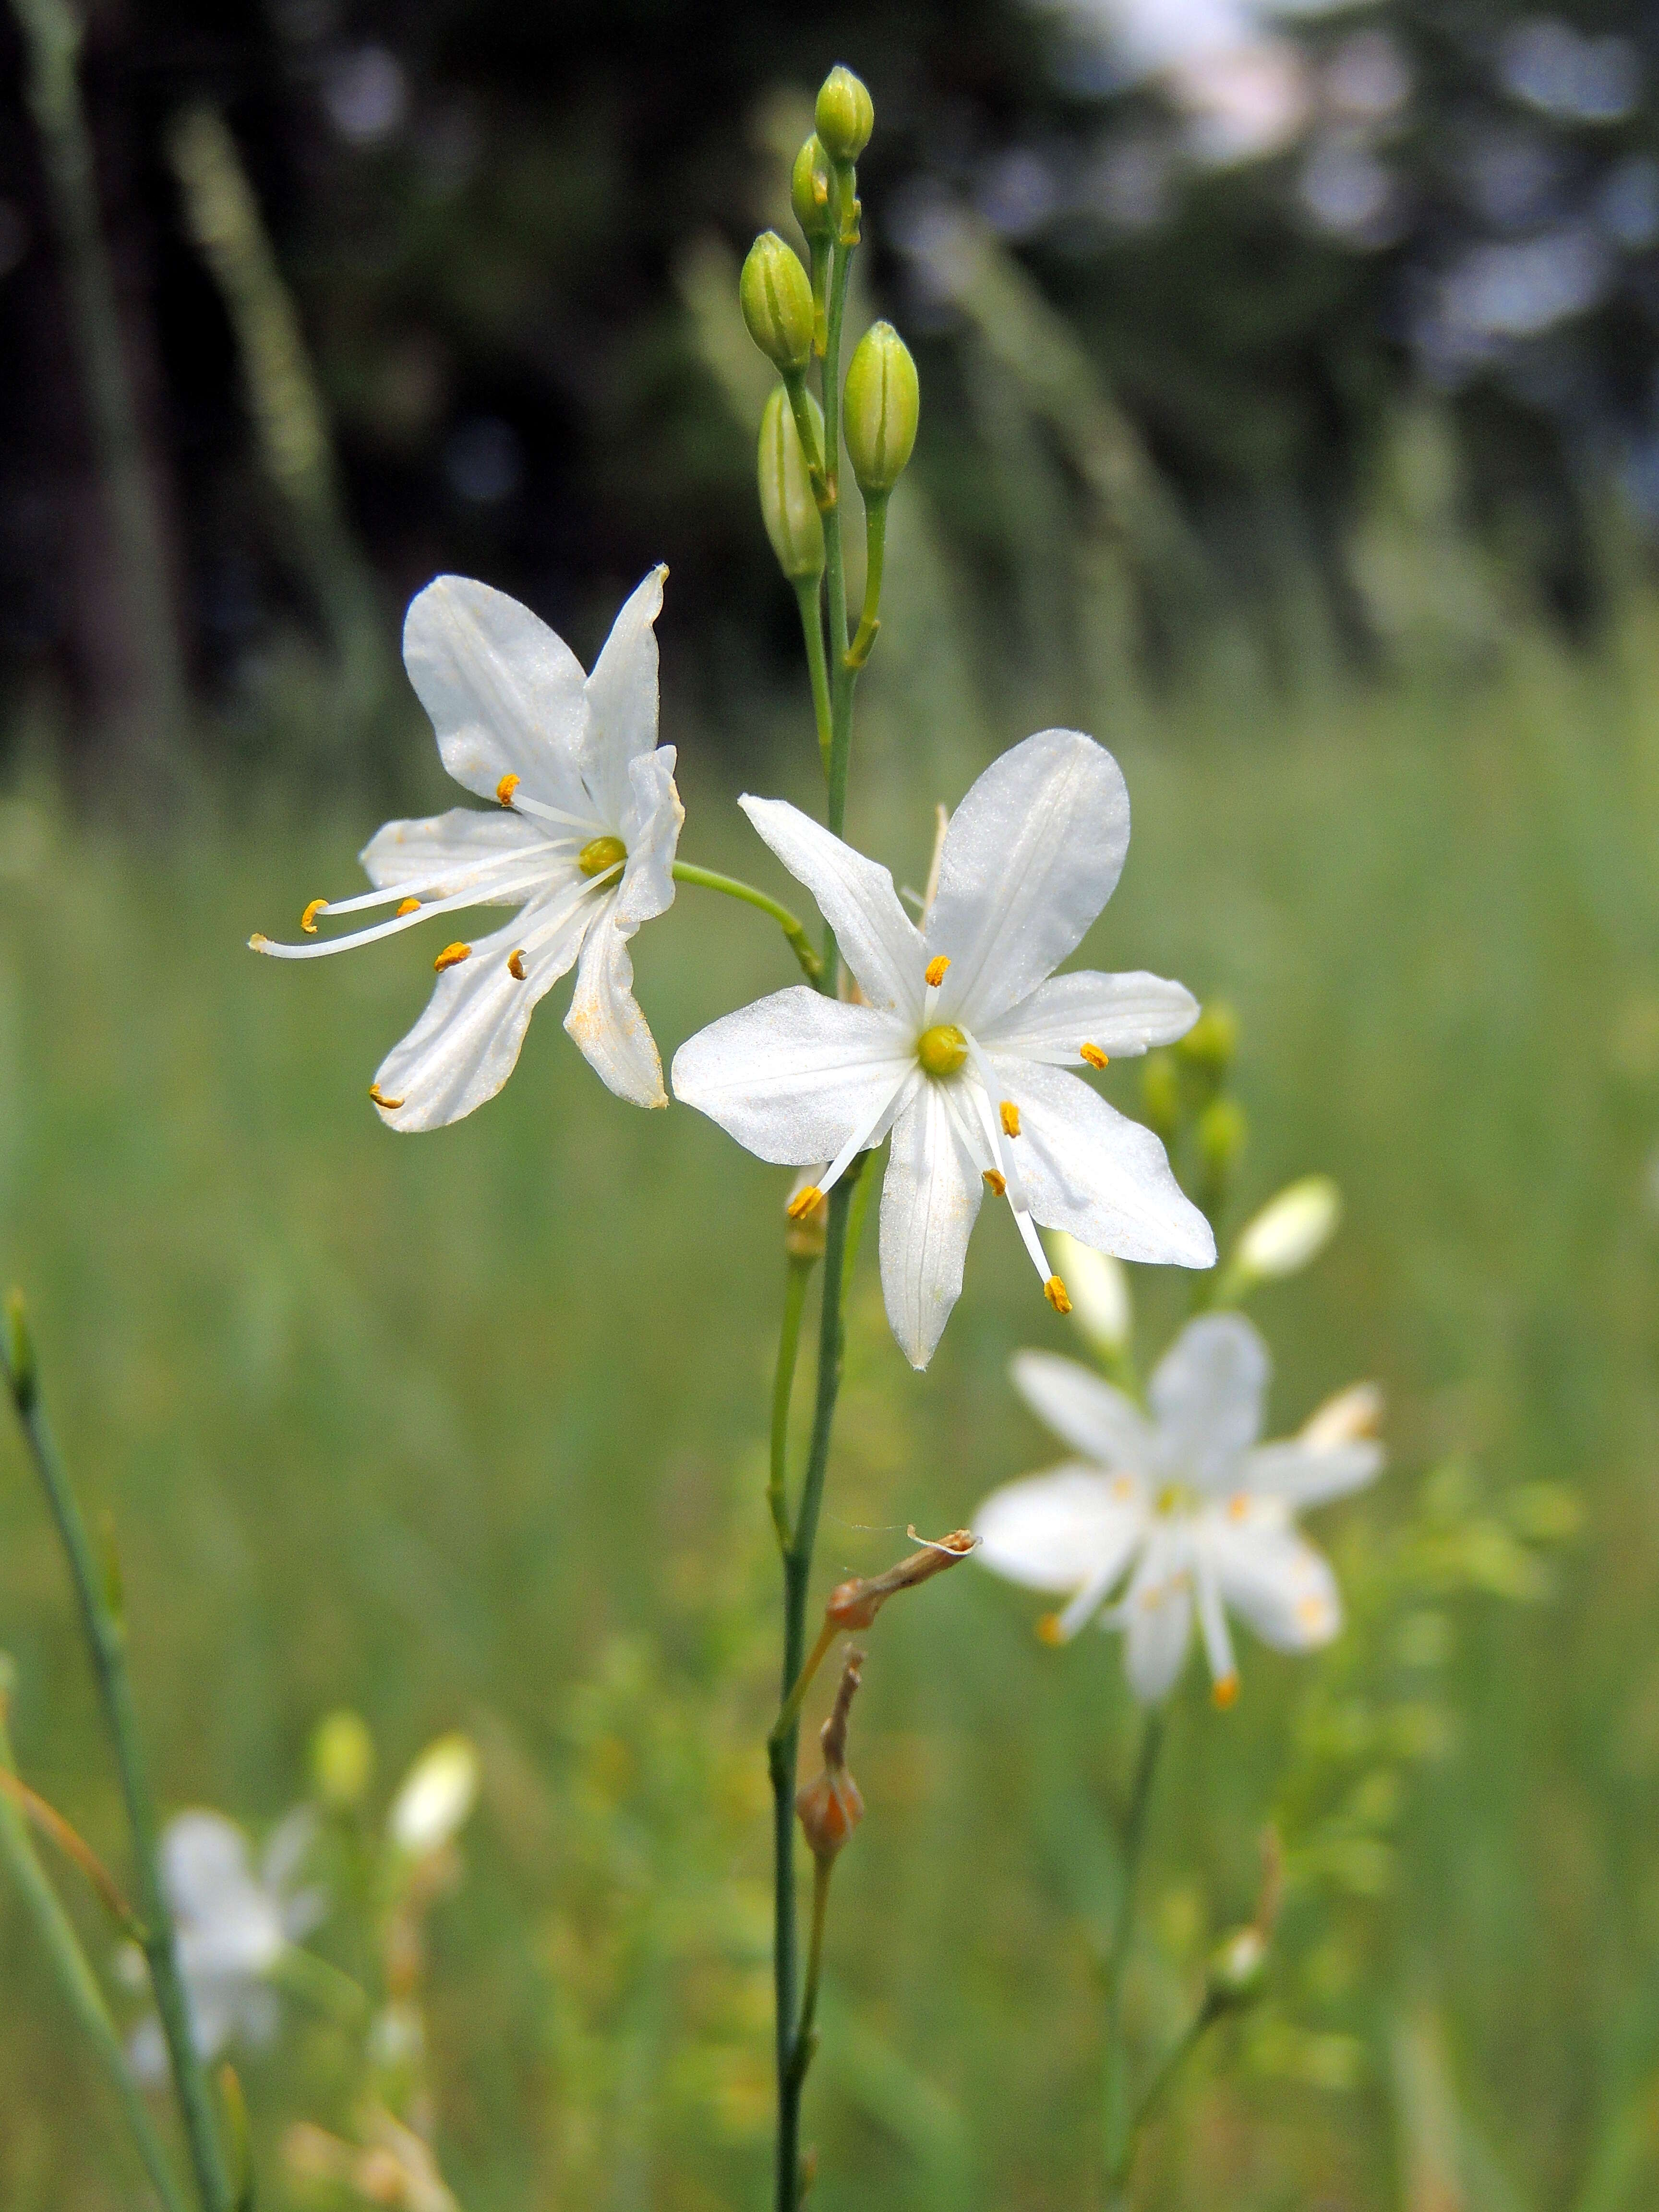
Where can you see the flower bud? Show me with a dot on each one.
(435, 1796)
(787, 505)
(1237, 1969)
(1160, 1094)
(845, 115)
(809, 194)
(883, 401)
(1221, 1132)
(1211, 1040)
(1099, 1285)
(341, 1761)
(830, 1807)
(1291, 1229)
(776, 295)
(1352, 1417)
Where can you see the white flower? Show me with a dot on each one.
(1203, 1514)
(962, 1045)
(231, 1926)
(584, 843)
(434, 1797)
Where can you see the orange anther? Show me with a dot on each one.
(452, 957)
(1054, 1291)
(308, 919)
(998, 1181)
(516, 967)
(387, 1105)
(409, 905)
(802, 1202)
(505, 789)
(1010, 1113)
(1093, 1054)
(1048, 1629)
(935, 970)
(1225, 1691)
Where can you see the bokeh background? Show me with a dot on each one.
(1290, 421)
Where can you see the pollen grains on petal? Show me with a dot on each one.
(933, 972)
(1010, 1116)
(387, 1105)
(452, 957)
(516, 967)
(1224, 1692)
(1093, 1054)
(505, 789)
(1057, 1295)
(308, 919)
(996, 1181)
(408, 906)
(802, 1202)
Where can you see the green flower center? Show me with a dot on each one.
(942, 1049)
(600, 856)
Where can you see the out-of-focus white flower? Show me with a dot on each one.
(1187, 1505)
(435, 1797)
(1099, 1285)
(1351, 1417)
(232, 1925)
(583, 843)
(962, 1042)
(1292, 1229)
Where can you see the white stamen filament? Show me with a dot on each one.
(587, 830)
(1087, 1601)
(423, 887)
(859, 1141)
(1212, 1623)
(528, 884)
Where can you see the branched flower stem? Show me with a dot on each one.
(106, 1642)
(799, 943)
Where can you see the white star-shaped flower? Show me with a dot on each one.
(1203, 1514)
(232, 1925)
(583, 841)
(963, 1041)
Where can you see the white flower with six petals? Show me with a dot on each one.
(962, 1045)
(1187, 1505)
(583, 843)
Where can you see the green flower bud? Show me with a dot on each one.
(776, 295)
(883, 401)
(1160, 1094)
(788, 505)
(845, 115)
(341, 1761)
(1238, 1970)
(1221, 1131)
(1211, 1040)
(810, 192)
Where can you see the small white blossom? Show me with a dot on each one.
(435, 1797)
(1292, 1229)
(583, 843)
(963, 1040)
(1187, 1505)
(232, 1925)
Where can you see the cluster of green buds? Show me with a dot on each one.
(794, 313)
(1187, 1099)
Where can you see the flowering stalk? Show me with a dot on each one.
(105, 1637)
(1119, 2134)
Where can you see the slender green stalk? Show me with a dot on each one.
(783, 1747)
(783, 1385)
(799, 943)
(875, 545)
(106, 1642)
(807, 2034)
(812, 627)
(1118, 2135)
(52, 40)
(842, 678)
(80, 1984)
(1209, 2011)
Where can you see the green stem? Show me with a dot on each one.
(855, 1231)
(783, 1747)
(822, 477)
(783, 1385)
(875, 541)
(1119, 2140)
(106, 1642)
(799, 943)
(842, 678)
(80, 1984)
(1183, 2049)
(812, 626)
(807, 2034)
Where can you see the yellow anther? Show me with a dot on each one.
(505, 789)
(601, 856)
(1239, 1506)
(452, 957)
(1054, 1291)
(1093, 1054)
(1312, 1612)
(308, 919)
(259, 942)
(516, 967)
(802, 1202)
(387, 1105)
(1048, 1629)
(409, 905)
(1225, 1691)
(998, 1181)
(935, 970)
(942, 1049)
(1123, 1488)
(1010, 1113)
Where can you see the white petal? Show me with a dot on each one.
(1102, 1178)
(1156, 1615)
(1206, 1394)
(505, 693)
(1303, 1474)
(286, 1848)
(1061, 1530)
(205, 1865)
(647, 882)
(147, 2053)
(1031, 855)
(1274, 1580)
(929, 1201)
(1091, 1416)
(794, 1075)
(879, 941)
(622, 706)
(605, 1017)
(1120, 1015)
(466, 1043)
(442, 851)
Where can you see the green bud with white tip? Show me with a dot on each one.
(1238, 1970)
(788, 507)
(882, 404)
(845, 115)
(776, 296)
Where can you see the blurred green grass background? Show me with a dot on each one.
(468, 1431)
